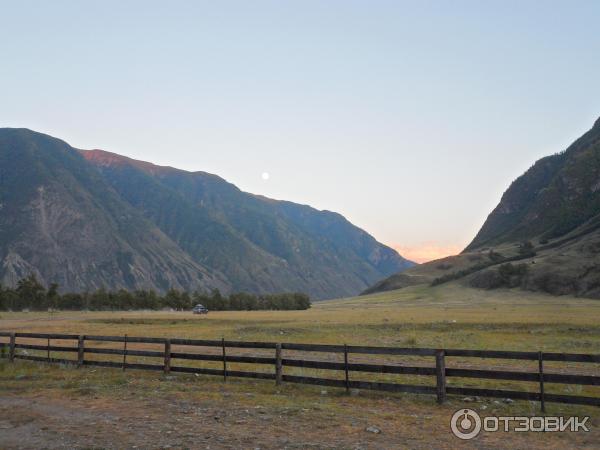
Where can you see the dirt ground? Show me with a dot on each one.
(137, 412)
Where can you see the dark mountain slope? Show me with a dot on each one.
(558, 194)
(555, 208)
(261, 245)
(60, 220)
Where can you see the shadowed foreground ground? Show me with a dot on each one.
(50, 407)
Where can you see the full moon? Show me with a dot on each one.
(265, 176)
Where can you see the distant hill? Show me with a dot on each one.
(90, 219)
(544, 234)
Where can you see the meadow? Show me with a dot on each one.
(446, 316)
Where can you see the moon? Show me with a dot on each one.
(265, 176)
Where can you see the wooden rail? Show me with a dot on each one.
(14, 348)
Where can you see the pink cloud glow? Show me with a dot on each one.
(427, 251)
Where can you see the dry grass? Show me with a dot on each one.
(448, 316)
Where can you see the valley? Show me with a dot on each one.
(364, 225)
(543, 236)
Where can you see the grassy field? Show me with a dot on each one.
(444, 316)
(447, 316)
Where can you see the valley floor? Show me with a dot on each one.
(43, 406)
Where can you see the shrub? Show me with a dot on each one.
(554, 283)
(507, 275)
(526, 249)
(495, 256)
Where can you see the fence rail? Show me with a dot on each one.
(438, 369)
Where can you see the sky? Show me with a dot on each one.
(409, 118)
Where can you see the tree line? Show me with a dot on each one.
(30, 294)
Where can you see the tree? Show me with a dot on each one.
(9, 300)
(52, 296)
(177, 300)
(145, 300)
(31, 293)
(218, 302)
(98, 300)
(72, 301)
(526, 249)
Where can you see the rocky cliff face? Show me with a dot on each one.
(94, 219)
(259, 244)
(62, 222)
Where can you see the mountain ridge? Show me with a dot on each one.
(555, 195)
(55, 209)
(230, 239)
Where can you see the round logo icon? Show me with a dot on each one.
(465, 424)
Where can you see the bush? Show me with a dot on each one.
(554, 283)
(513, 275)
(526, 249)
(495, 256)
(507, 276)
(486, 279)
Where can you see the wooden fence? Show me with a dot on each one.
(166, 357)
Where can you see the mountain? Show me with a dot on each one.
(61, 221)
(544, 235)
(86, 219)
(556, 195)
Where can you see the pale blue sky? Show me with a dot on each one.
(410, 118)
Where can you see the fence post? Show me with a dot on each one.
(278, 365)
(11, 350)
(346, 368)
(541, 370)
(80, 351)
(224, 360)
(48, 351)
(125, 353)
(440, 372)
(167, 368)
